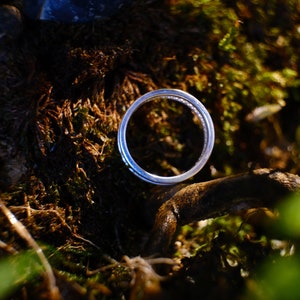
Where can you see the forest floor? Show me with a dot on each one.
(64, 89)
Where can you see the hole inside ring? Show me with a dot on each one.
(165, 137)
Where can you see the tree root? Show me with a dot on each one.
(199, 201)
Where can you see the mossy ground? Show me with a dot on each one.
(64, 89)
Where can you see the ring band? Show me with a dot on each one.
(195, 106)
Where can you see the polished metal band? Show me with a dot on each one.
(202, 114)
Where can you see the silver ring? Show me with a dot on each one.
(202, 114)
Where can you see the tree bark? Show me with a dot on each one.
(199, 201)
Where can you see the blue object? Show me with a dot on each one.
(72, 11)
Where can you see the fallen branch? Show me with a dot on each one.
(200, 201)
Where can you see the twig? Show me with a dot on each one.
(31, 211)
(8, 248)
(24, 233)
(136, 265)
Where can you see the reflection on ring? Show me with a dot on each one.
(196, 107)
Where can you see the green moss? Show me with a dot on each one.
(64, 89)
